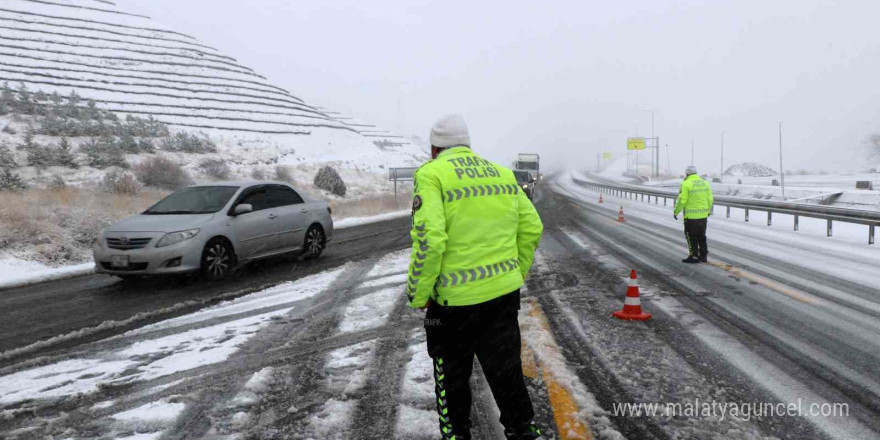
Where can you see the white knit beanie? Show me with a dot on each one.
(690, 170)
(450, 131)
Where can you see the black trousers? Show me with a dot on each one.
(695, 233)
(491, 332)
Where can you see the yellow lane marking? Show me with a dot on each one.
(569, 424)
(770, 284)
(530, 369)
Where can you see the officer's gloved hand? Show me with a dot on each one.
(675, 216)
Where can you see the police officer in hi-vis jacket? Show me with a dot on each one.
(695, 199)
(474, 236)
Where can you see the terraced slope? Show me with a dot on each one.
(129, 65)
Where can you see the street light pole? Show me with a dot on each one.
(781, 170)
(692, 151)
(721, 177)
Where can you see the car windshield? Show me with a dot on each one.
(522, 176)
(194, 200)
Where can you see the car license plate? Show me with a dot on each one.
(119, 260)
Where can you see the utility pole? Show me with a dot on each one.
(692, 151)
(721, 176)
(655, 156)
(668, 168)
(781, 170)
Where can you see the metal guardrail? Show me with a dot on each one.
(797, 210)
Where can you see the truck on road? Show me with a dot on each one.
(528, 162)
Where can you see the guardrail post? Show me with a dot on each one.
(829, 227)
(797, 224)
(747, 215)
(871, 234)
(769, 218)
(728, 212)
(664, 201)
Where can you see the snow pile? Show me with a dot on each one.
(371, 310)
(151, 418)
(750, 169)
(416, 413)
(16, 272)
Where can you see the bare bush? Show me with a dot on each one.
(117, 181)
(283, 174)
(329, 180)
(258, 174)
(216, 169)
(163, 173)
(58, 183)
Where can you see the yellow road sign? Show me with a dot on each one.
(606, 155)
(635, 143)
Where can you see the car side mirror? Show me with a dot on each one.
(243, 208)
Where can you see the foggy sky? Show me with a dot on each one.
(568, 79)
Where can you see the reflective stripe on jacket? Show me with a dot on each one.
(694, 198)
(474, 231)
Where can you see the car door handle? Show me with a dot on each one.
(272, 216)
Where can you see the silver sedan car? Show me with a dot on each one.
(212, 228)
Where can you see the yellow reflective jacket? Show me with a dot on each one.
(695, 198)
(474, 231)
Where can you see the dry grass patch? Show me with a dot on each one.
(369, 205)
(58, 226)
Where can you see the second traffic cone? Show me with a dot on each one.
(620, 215)
(632, 305)
(600, 198)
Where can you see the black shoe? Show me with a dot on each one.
(704, 258)
(529, 432)
(691, 260)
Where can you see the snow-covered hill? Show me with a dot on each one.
(129, 65)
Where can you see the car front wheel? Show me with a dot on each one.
(314, 243)
(218, 260)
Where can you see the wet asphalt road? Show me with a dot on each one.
(35, 313)
(798, 320)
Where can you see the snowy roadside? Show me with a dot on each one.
(360, 221)
(17, 272)
(151, 363)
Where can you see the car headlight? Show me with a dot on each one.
(176, 237)
(526, 186)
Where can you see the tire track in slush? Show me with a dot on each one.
(197, 420)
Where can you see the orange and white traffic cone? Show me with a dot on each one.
(632, 305)
(620, 215)
(600, 198)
